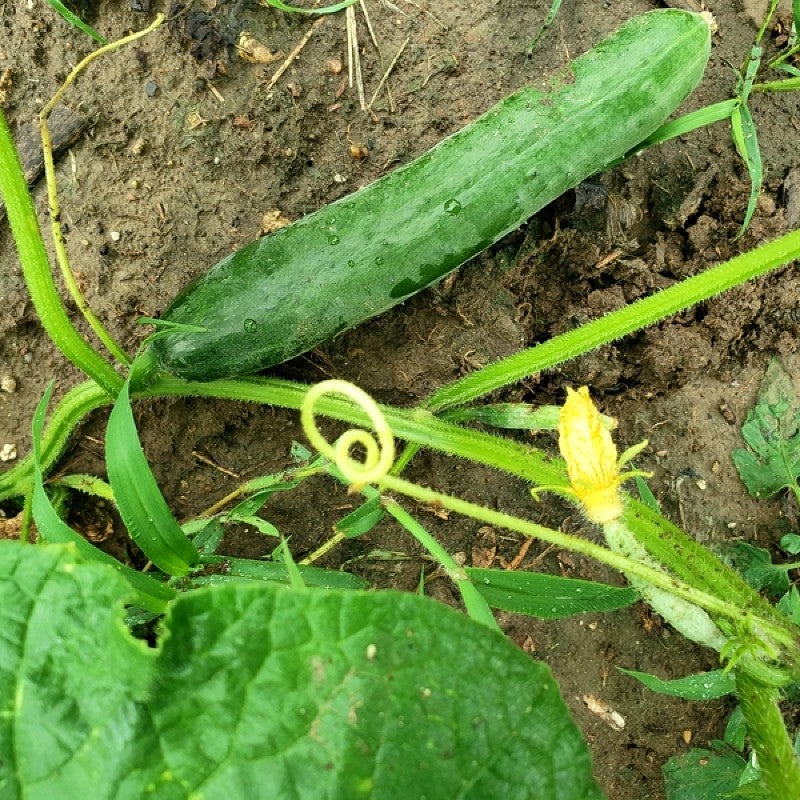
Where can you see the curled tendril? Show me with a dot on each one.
(378, 448)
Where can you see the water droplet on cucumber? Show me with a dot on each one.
(452, 207)
(333, 239)
(250, 325)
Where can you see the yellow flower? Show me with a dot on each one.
(591, 457)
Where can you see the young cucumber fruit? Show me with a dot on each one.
(288, 292)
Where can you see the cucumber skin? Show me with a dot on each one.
(286, 293)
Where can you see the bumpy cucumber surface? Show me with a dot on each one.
(288, 292)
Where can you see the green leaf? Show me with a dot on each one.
(703, 774)
(362, 520)
(755, 563)
(743, 130)
(551, 15)
(144, 590)
(772, 432)
(227, 568)
(736, 730)
(66, 700)
(281, 6)
(547, 596)
(89, 484)
(75, 20)
(141, 504)
(257, 692)
(789, 605)
(707, 686)
(791, 543)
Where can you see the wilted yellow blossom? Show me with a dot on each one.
(591, 457)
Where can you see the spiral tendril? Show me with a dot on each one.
(378, 447)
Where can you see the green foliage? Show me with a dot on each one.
(75, 20)
(287, 693)
(708, 686)
(145, 590)
(772, 431)
(140, 502)
(755, 563)
(703, 774)
(281, 6)
(547, 596)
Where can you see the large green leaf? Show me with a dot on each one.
(257, 691)
(703, 774)
(772, 432)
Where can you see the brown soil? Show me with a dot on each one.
(189, 148)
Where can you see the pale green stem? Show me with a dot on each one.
(52, 193)
(619, 562)
(780, 771)
(618, 323)
(36, 270)
(474, 602)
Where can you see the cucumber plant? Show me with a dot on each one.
(209, 641)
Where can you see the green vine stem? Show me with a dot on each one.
(477, 608)
(36, 270)
(374, 468)
(616, 324)
(52, 192)
(780, 771)
(668, 545)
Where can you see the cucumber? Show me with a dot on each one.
(288, 292)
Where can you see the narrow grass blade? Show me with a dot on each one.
(788, 85)
(150, 594)
(743, 130)
(646, 496)
(362, 520)
(141, 504)
(75, 20)
(547, 596)
(324, 10)
(685, 124)
(227, 569)
(549, 19)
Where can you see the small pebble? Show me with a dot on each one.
(150, 88)
(8, 383)
(115, 236)
(334, 66)
(137, 148)
(8, 452)
(103, 250)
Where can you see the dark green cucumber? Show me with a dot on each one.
(288, 292)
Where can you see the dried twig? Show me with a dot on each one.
(386, 75)
(293, 55)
